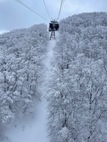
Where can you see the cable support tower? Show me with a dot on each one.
(26, 6)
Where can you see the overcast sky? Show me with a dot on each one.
(14, 16)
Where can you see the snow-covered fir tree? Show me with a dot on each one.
(77, 92)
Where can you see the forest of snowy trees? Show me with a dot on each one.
(21, 55)
(77, 93)
(76, 89)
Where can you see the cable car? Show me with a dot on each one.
(53, 26)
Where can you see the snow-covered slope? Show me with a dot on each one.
(72, 75)
(37, 129)
(78, 90)
(34, 130)
(21, 55)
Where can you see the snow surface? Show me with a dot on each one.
(49, 59)
(36, 131)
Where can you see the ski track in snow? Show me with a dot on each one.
(36, 131)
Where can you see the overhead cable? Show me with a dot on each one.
(60, 9)
(26, 6)
(47, 9)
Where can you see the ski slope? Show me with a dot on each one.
(36, 131)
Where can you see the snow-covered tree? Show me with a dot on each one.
(78, 89)
(21, 55)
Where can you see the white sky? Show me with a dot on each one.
(13, 15)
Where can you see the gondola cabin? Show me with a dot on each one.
(53, 26)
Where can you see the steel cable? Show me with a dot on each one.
(22, 3)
